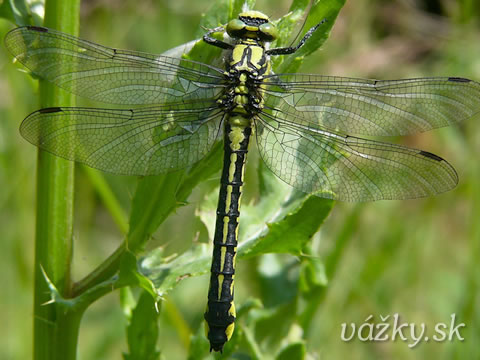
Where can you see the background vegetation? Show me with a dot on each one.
(416, 258)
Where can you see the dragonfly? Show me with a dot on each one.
(304, 125)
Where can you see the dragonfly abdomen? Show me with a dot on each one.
(241, 102)
(220, 312)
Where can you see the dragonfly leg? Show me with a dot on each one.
(209, 39)
(292, 49)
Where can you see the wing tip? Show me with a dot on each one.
(446, 164)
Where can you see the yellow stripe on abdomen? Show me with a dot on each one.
(220, 313)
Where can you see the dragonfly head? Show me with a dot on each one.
(252, 25)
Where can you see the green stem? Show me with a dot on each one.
(55, 329)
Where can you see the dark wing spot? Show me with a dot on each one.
(430, 155)
(459, 79)
(50, 110)
(37, 28)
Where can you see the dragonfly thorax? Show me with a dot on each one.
(243, 96)
(246, 66)
(249, 58)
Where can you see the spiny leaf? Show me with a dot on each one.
(166, 273)
(290, 234)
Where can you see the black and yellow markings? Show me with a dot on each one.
(248, 57)
(241, 101)
(220, 314)
(247, 63)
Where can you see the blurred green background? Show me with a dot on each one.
(417, 258)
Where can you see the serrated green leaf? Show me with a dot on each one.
(166, 273)
(290, 234)
(129, 275)
(142, 331)
(296, 351)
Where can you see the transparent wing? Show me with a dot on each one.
(111, 75)
(372, 107)
(146, 141)
(348, 168)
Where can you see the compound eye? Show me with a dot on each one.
(269, 31)
(235, 28)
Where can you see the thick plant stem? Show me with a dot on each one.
(55, 328)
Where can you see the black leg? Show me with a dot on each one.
(212, 41)
(292, 49)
